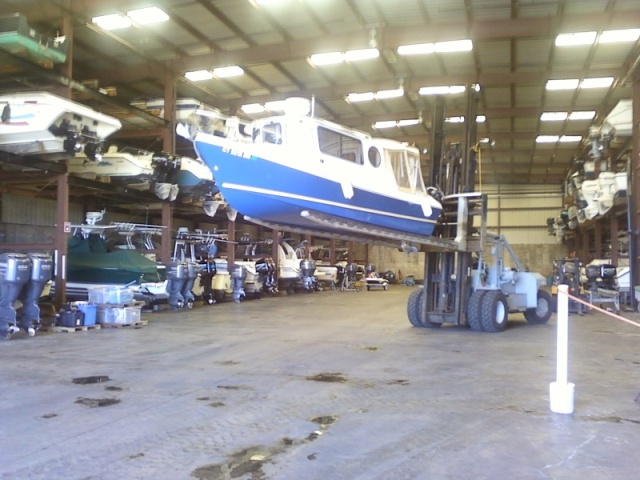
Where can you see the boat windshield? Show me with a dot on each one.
(406, 169)
(268, 133)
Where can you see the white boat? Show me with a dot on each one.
(138, 169)
(40, 123)
(288, 267)
(308, 175)
(185, 107)
(195, 180)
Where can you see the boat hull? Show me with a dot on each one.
(39, 123)
(278, 193)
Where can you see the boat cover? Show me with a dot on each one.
(89, 261)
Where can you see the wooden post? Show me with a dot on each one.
(62, 231)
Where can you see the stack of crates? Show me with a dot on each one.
(115, 305)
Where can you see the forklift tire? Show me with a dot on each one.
(495, 311)
(542, 312)
(413, 308)
(474, 311)
(414, 311)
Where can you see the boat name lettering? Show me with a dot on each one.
(238, 152)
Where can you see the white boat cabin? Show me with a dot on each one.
(317, 145)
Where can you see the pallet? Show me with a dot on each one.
(83, 328)
(139, 324)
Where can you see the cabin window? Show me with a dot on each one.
(268, 133)
(399, 166)
(339, 145)
(374, 157)
(416, 172)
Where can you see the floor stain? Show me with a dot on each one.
(246, 464)
(203, 399)
(325, 421)
(228, 362)
(399, 381)
(372, 349)
(93, 379)
(235, 387)
(49, 415)
(97, 402)
(113, 389)
(328, 377)
(217, 404)
(135, 455)
(609, 419)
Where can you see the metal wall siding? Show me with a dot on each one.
(35, 211)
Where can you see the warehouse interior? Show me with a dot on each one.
(524, 117)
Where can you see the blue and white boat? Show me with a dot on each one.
(298, 171)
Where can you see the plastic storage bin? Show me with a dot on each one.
(90, 312)
(110, 296)
(119, 315)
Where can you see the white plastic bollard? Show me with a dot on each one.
(562, 393)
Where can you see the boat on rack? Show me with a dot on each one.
(308, 175)
(195, 180)
(91, 263)
(40, 123)
(18, 38)
(138, 169)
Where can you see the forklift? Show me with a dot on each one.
(466, 281)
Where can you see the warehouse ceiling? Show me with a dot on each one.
(512, 55)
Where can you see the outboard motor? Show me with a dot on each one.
(601, 277)
(14, 274)
(370, 270)
(192, 274)
(238, 276)
(41, 273)
(177, 276)
(267, 271)
(207, 272)
(307, 269)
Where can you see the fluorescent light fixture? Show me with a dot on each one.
(360, 97)
(329, 58)
(438, 47)
(602, 82)
(385, 124)
(147, 15)
(395, 93)
(364, 54)
(112, 21)
(198, 75)
(453, 46)
(275, 106)
(454, 119)
(226, 72)
(547, 138)
(481, 118)
(409, 122)
(554, 116)
(417, 49)
(250, 108)
(563, 84)
(582, 115)
(442, 90)
(578, 38)
(570, 138)
(614, 36)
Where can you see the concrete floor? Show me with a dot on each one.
(324, 386)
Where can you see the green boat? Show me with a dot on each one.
(90, 262)
(18, 38)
